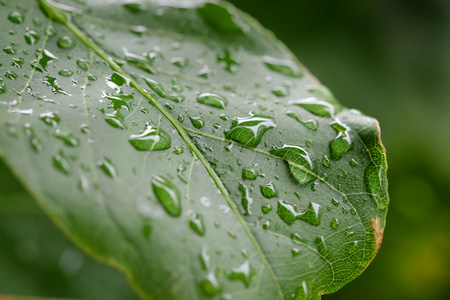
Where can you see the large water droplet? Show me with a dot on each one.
(213, 100)
(315, 106)
(151, 138)
(210, 286)
(61, 163)
(168, 195)
(246, 200)
(249, 130)
(269, 190)
(284, 66)
(107, 167)
(288, 213)
(244, 273)
(68, 138)
(299, 162)
(310, 124)
(66, 42)
(196, 224)
(342, 143)
(16, 17)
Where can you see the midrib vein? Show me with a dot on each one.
(56, 13)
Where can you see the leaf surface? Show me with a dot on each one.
(181, 143)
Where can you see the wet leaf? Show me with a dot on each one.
(271, 198)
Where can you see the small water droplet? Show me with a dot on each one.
(299, 162)
(197, 122)
(61, 163)
(31, 37)
(295, 252)
(65, 72)
(84, 65)
(269, 190)
(334, 202)
(281, 91)
(334, 223)
(180, 62)
(9, 50)
(214, 100)
(249, 130)
(315, 106)
(322, 248)
(161, 91)
(68, 138)
(249, 174)
(244, 272)
(210, 286)
(246, 200)
(35, 142)
(266, 208)
(342, 143)
(151, 138)
(296, 238)
(50, 118)
(326, 161)
(107, 167)
(168, 195)
(178, 150)
(115, 119)
(66, 42)
(283, 66)
(52, 82)
(11, 75)
(196, 224)
(310, 124)
(288, 213)
(16, 17)
(205, 259)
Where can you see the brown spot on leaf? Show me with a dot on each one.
(378, 232)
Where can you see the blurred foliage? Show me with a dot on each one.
(391, 60)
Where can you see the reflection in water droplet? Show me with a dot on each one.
(68, 138)
(315, 106)
(244, 273)
(342, 143)
(197, 122)
(249, 174)
(151, 138)
(168, 195)
(269, 190)
(310, 124)
(107, 167)
(246, 200)
(213, 100)
(299, 162)
(289, 214)
(196, 224)
(283, 66)
(249, 130)
(210, 286)
(322, 248)
(61, 163)
(66, 42)
(16, 17)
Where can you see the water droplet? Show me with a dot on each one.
(138, 61)
(334, 223)
(281, 91)
(283, 66)
(151, 138)
(50, 118)
(353, 163)
(66, 42)
(296, 238)
(322, 248)
(342, 143)
(210, 286)
(180, 62)
(315, 106)
(31, 37)
(249, 130)
(269, 190)
(52, 82)
(205, 259)
(35, 142)
(246, 200)
(299, 162)
(249, 174)
(161, 91)
(84, 65)
(266, 225)
(65, 72)
(295, 252)
(178, 150)
(115, 119)
(244, 272)
(344, 211)
(288, 213)
(9, 50)
(301, 292)
(334, 202)
(196, 224)
(168, 195)
(11, 75)
(204, 72)
(213, 100)
(266, 208)
(107, 167)
(61, 163)
(197, 122)
(17, 62)
(16, 17)
(68, 138)
(326, 161)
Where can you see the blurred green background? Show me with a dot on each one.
(389, 59)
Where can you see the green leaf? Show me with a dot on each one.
(160, 136)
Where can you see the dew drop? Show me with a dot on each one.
(213, 100)
(84, 65)
(65, 72)
(180, 62)
(107, 167)
(168, 195)
(342, 143)
(249, 174)
(197, 122)
(266, 208)
(66, 42)
(115, 119)
(295, 252)
(50, 118)
(326, 161)
(52, 82)
(322, 248)
(299, 162)
(283, 66)
(269, 190)
(61, 163)
(178, 150)
(281, 91)
(161, 91)
(35, 142)
(334, 223)
(68, 138)
(335, 202)
(210, 286)
(31, 37)
(315, 106)
(296, 238)
(244, 272)
(246, 200)
(288, 213)
(196, 224)
(151, 138)
(249, 130)
(16, 17)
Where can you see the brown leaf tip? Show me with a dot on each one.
(378, 232)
